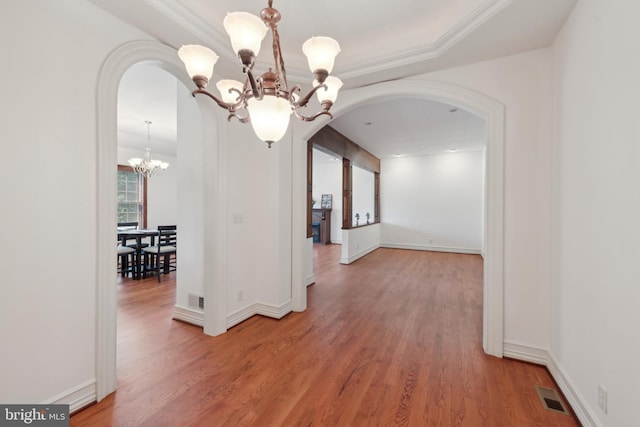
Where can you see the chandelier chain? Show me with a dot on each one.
(277, 56)
(148, 134)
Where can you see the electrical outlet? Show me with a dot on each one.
(240, 296)
(602, 398)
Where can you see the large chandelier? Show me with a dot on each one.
(146, 166)
(266, 102)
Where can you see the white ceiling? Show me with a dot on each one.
(380, 41)
(411, 127)
(147, 93)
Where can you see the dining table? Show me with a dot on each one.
(138, 235)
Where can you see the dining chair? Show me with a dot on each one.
(126, 259)
(162, 256)
(126, 251)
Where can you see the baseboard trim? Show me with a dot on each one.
(240, 315)
(188, 315)
(525, 353)
(77, 397)
(431, 248)
(277, 312)
(576, 400)
(539, 356)
(358, 255)
(310, 280)
(268, 310)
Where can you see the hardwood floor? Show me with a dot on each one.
(394, 339)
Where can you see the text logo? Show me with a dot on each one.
(34, 415)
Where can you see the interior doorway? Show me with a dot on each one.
(493, 113)
(195, 130)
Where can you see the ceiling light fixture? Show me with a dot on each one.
(267, 100)
(147, 166)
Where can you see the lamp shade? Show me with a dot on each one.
(245, 30)
(331, 93)
(321, 52)
(225, 86)
(269, 117)
(198, 60)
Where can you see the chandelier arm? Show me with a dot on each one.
(221, 103)
(305, 100)
(296, 88)
(312, 118)
(241, 100)
(252, 82)
(241, 119)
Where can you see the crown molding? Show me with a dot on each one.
(431, 51)
(194, 24)
(218, 41)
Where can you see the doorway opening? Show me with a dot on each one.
(492, 112)
(193, 230)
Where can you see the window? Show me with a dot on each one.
(132, 196)
(362, 196)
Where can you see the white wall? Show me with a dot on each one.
(259, 224)
(189, 202)
(358, 242)
(48, 313)
(596, 182)
(433, 202)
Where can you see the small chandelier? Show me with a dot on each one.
(266, 102)
(146, 166)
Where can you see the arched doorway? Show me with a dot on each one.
(493, 251)
(108, 82)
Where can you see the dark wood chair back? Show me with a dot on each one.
(167, 235)
(164, 252)
(127, 226)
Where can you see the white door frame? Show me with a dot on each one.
(114, 67)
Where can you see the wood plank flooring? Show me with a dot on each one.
(394, 339)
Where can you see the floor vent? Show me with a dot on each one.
(196, 301)
(550, 400)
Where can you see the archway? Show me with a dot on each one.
(493, 251)
(118, 62)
